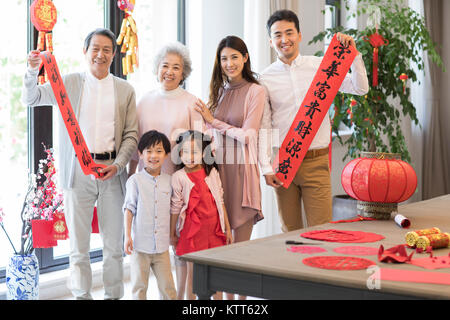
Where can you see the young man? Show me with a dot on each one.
(287, 81)
(147, 211)
(105, 107)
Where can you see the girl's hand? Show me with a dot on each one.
(173, 240)
(204, 111)
(229, 236)
(128, 245)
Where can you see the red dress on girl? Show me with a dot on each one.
(201, 228)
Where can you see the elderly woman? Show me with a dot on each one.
(169, 109)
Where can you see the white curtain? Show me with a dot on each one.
(430, 143)
(256, 13)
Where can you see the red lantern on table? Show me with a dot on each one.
(379, 181)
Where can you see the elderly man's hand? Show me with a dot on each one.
(109, 172)
(34, 60)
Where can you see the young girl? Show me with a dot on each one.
(236, 106)
(198, 217)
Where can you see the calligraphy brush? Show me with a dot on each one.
(301, 243)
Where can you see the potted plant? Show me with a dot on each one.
(375, 119)
(42, 202)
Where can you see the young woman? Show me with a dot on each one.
(234, 111)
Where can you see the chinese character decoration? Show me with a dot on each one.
(313, 109)
(128, 37)
(403, 77)
(43, 17)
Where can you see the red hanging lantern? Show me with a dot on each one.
(376, 40)
(403, 77)
(378, 183)
(43, 15)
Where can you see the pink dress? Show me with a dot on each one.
(201, 228)
(237, 119)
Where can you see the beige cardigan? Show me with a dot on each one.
(125, 124)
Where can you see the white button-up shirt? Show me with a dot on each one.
(97, 111)
(286, 87)
(148, 199)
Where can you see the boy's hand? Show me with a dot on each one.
(128, 246)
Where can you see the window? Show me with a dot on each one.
(13, 126)
(157, 24)
(332, 17)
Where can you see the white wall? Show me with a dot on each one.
(208, 22)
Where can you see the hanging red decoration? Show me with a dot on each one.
(43, 16)
(376, 40)
(338, 263)
(403, 77)
(379, 180)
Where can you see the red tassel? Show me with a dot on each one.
(375, 67)
(94, 224)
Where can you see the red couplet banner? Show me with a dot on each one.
(321, 93)
(73, 129)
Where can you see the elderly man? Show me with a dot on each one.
(105, 107)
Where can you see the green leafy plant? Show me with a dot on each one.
(376, 117)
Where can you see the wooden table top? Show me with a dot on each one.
(270, 256)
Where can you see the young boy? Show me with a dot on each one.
(147, 210)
